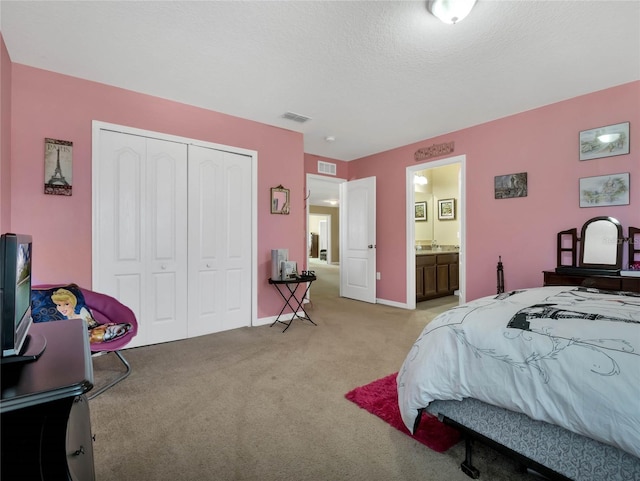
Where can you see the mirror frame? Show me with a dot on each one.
(275, 208)
(617, 265)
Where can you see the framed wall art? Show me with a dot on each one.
(279, 200)
(447, 209)
(421, 211)
(604, 141)
(509, 186)
(58, 158)
(604, 190)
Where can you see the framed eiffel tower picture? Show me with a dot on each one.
(58, 159)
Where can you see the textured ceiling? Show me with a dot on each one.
(374, 74)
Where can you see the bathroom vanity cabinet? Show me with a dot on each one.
(436, 275)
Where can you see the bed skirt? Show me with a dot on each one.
(572, 455)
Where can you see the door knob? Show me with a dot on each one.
(79, 451)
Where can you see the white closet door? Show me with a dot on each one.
(140, 223)
(166, 226)
(219, 240)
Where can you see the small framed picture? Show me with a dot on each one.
(509, 186)
(447, 209)
(421, 211)
(604, 141)
(604, 190)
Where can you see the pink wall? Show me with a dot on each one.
(5, 137)
(542, 142)
(45, 104)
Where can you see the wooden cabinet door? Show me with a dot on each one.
(430, 285)
(442, 278)
(419, 282)
(454, 279)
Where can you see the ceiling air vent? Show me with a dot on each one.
(296, 117)
(326, 168)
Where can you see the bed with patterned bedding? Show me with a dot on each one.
(550, 373)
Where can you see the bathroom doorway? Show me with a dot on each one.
(436, 186)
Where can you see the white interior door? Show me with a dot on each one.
(358, 239)
(219, 240)
(322, 235)
(140, 195)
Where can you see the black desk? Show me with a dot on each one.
(288, 289)
(46, 424)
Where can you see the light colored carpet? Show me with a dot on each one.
(259, 404)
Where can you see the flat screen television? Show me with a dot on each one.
(15, 298)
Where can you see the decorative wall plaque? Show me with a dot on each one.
(436, 150)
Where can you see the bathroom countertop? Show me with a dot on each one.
(429, 252)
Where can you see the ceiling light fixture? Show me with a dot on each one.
(450, 11)
(420, 180)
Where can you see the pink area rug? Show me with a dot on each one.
(381, 398)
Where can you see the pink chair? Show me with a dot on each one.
(104, 309)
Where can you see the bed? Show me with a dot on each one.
(549, 375)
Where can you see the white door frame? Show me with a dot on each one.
(99, 125)
(411, 225)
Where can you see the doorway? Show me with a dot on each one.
(323, 201)
(449, 236)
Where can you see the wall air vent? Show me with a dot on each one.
(296, 117)
(326, 168)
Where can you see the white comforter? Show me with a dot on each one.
(572, 360)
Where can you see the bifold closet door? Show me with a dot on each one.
(219, 241)
(140, 231)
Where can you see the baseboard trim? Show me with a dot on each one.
(266, 321)
(386, 302)
(263, 321)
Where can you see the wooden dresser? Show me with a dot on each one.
(614, 283)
